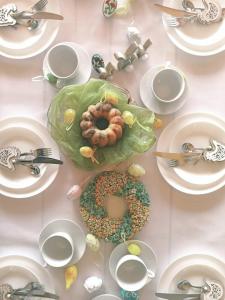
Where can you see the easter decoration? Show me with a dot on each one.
(96, 126)
(92, 242)
(127, 295)
(134, 249)
(71, 274)
(94, 212)
(93, 284)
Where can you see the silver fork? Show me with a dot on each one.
(178, 22)
(173, 163)
(36, 7)
(45, 152)
(32, 24)
(39, 5)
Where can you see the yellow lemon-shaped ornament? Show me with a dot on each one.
(69, 118)
(128, 118)
(134, 249)
(136, 170)
(88, 152)
(71, 274)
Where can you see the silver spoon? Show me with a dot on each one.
(188, 5)
(189, 147)
(32, 24)
(185, 285)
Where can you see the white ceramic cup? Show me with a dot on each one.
(57, 249)
(63, 62)
(132, 274)
(168, 85)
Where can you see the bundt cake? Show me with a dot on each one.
(102, 124)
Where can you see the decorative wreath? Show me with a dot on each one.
(94, 214)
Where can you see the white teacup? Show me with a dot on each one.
(168, 85)
(57, 249)
(132, 274)
(63, 62)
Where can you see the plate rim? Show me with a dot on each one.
(181, 259)
(186, 49)
(30, 260)
(161, 168)
(43, 187)
(54, 34)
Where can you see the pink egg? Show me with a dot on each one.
(74, 192)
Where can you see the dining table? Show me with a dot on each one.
(179, 223)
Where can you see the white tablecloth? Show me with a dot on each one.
(180, 223)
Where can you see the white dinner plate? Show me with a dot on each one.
(195, 268)
(147, 255)
(148, 98)
(84, 66)
(196, 39)
(19, 271)
(26, 134)
(73, 230)
(21, 43)
(197, 128)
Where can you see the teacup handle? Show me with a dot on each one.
(150, 274)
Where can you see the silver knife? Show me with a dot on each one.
(175, 296)
(175, 12)
(179, 13)
(39, 160)
(41, 15)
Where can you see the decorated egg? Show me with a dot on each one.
(93, 284)
(158, 123)
(134, 249)
(128, 118)
(136, 170)
(74, 192)
(69, 116)
(88, 152)
(126, 295)
(92, 242)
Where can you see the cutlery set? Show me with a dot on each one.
(10, 16)
(210, 290)
(11, 156)
(190, 154)
(211, 12)
(31, 290)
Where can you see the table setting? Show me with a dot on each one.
(112, 149)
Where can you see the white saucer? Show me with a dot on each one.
(22, 43)
(84, 66)
(197, 128)
(26, 134)
(148, 99)
(19, 271)
(196, 39)
(147, 255)
(106, 297)
(194, 268)
(73, 230)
